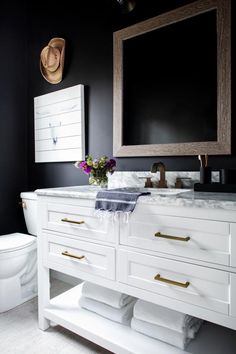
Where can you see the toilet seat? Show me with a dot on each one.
(15, 242)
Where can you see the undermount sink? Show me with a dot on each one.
(158, 191)
(165, 191)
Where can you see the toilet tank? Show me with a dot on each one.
(29, 204)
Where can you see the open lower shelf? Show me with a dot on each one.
(65, 311)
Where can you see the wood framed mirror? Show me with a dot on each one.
(172, 83)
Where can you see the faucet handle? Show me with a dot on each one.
(148, 183)
(179, 181)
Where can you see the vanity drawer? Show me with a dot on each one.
(81, 256)
(199, 239)
(196, 285)
(78, 221)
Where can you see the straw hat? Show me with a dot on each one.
(52, 60)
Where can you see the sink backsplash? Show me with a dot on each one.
(121, 179)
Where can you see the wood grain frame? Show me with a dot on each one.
(223, 143)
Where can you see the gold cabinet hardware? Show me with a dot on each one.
(23, 204)
(72, 221)
(169, 237)
(172, 282)
(66, 253)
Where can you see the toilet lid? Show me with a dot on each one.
(12, 242)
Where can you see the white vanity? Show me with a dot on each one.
(178, 251)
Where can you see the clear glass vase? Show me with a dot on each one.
(101, 180)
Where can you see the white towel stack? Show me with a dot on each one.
(108, 303)
(170, 326)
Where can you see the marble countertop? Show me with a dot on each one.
(186, 199)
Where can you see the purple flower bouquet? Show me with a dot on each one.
(97, 169)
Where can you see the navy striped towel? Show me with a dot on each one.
(118, 199)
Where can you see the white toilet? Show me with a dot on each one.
(18, 259)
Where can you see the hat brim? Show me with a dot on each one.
(56, 76)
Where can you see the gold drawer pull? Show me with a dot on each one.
(66, 253)
(169, 237)
(172, 282)
(72, 221)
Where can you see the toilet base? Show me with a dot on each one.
(20, 288)
(10, 293)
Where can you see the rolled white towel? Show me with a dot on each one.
(164, 334)
(105, 295)
(162, 316)
(122, 315)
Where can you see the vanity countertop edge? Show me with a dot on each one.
(226, 201)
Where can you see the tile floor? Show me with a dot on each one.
(19, 332)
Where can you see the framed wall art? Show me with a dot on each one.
(59, 125)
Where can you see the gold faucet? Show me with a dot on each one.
(159, 166)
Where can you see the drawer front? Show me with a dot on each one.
(205, 287)
(78, 221)
(233, 244)
(81, 256)
(186, 237)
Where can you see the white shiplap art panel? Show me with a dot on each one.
(59, 125)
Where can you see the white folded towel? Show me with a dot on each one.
(164, 334)
(162, 316)
(122, 315)
(105, 295)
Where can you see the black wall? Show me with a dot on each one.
(13, 114)
(88, 31)
(87, 27)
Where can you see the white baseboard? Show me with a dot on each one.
(64, 277)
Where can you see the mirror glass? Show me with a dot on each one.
(172, 83)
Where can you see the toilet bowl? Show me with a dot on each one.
(18, 260)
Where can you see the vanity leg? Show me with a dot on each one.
(43, 295)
